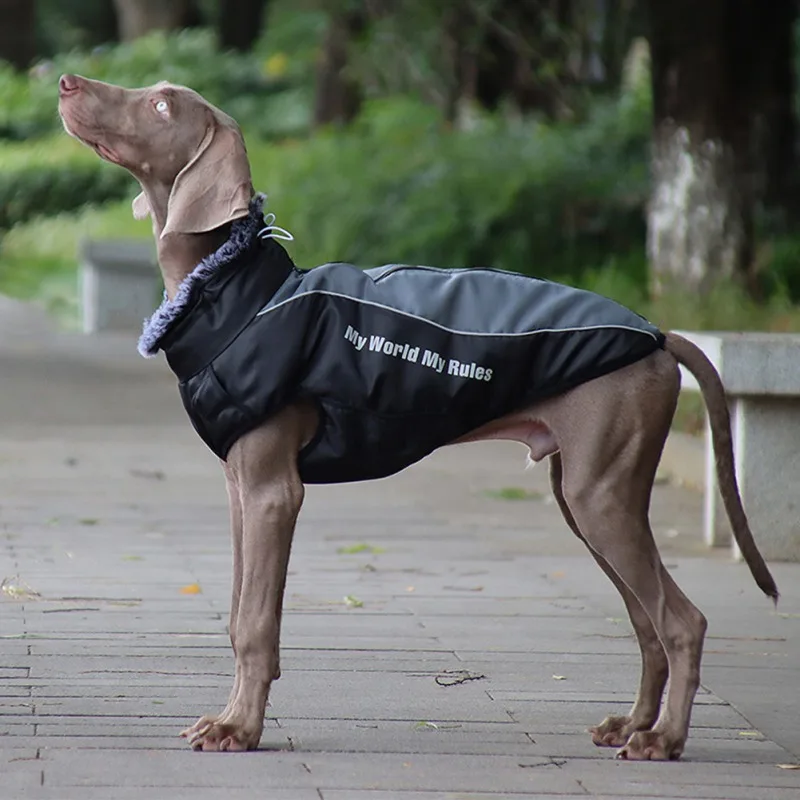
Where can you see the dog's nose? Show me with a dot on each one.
(68, 84)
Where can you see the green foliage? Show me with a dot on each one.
(780, 270)
(727, 307)
(246, 86)
(557, 200)
(64, 25)
(399, 186)
(52, 175)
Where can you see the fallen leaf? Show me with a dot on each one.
(361, 547)
(151, 474)
(18, 589)
(463, 588)
(192, 588)
(353, 602)
(513, 493)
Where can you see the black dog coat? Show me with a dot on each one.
(399, 360)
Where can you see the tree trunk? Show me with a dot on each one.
(524, 54)
(766, 74)
(240, 23)
(17, 32)
(138, 17)
(460, 59)
(699, 227)
(706, 160)
(621, 22)
(338, 97)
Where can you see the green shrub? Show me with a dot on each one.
(398, 186)
(778, 259)
(52, 175)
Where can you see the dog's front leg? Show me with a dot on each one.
(235, 508)
(263, 466)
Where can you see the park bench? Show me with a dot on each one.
(761, 373)
(120, 284)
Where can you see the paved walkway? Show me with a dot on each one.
(114, 514)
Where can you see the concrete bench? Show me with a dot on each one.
(119, 284)
(761, 373)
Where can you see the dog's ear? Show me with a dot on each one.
(141, 208)
(215, 187)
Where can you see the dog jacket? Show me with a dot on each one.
(399, 360)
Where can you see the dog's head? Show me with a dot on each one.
(188, 156)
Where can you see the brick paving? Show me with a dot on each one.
(440, 640)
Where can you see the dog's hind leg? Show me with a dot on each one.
(611, 432)
(614, 731)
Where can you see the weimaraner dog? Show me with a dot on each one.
(604, 436)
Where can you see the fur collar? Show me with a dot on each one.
(243, 231)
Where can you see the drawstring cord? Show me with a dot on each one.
(273, 231)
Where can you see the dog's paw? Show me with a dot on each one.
(612, 732)
(212, 735)
(203, 724)
(650, 746)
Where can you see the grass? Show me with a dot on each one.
(513, 493)
(690, 416)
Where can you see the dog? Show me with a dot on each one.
(358, 389)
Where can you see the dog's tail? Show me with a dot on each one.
(713, 391)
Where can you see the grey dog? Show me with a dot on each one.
(603, 434)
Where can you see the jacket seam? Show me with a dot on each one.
(411, 315)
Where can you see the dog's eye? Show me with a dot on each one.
(162, 106)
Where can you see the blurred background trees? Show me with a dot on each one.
(17, 41)
(644, 148)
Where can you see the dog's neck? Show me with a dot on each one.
(189, 261)
(180, 253)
